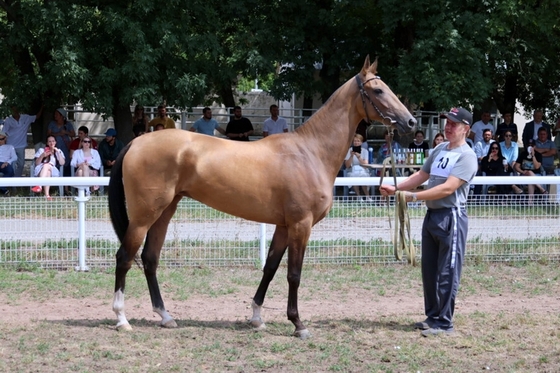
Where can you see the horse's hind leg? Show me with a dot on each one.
(125, 257)
(275, 254)
(150, 260)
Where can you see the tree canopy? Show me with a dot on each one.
(435, 54)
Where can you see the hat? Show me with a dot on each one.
(531, 142)
(111, 132)
(62, 112)
(458, 114)
(3, 134)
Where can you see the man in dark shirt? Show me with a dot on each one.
(239, 128)
(506, 125)
(109, 149)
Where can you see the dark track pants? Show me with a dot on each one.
(444, 237)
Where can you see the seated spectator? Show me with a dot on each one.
(357, 156)
(494, 164)
(159, 127)
(83, 132)
(510, 151)
(438, 139)
(419, 142)
(109, 149)
(86, 161)
(7, 158)
(384, 150)
(547, 148)
(46, 161)
(529, 164)
(482, 148)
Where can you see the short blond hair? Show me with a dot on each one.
(359, 137)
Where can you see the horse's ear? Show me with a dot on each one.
(366, 66)
(373, 67)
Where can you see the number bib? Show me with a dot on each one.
(444, 163)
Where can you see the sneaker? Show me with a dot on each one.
(369, 199)
(437, 331)
(423, 325)
(36, 189)
(7, 193)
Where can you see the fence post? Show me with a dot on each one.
(82, 199)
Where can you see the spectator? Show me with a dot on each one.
(140, 123)
(7, 157)
(478, 128)
(162, 118)
(206, 125)
(46, 161)
(357, 156)
(531, 130)
(384, 150)
(86, 161)
(547, 148)
(557, 137)
(494, 164)
(506, 125)
(482, 148)
(529, 164)
(16, 127)
(275, 124)
(438, 139)
(159, 127)
(510, 151)
(109, 149)
(239, 128)
(64, 133)
(83, 132)
(419, 142)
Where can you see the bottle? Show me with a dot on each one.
(370, 155)
(418, 157)
(529, 152)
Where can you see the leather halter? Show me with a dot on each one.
(365, 96)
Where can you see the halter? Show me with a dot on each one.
(365, 96)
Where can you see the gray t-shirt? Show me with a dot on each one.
(460, 162)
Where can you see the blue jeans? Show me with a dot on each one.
(8, 171)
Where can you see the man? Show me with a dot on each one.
(547, 149)
(478, 128)
(16, 128)
(448, 170)
(162, 118)
(239, 128)
(531, 130)
(83, 132)
(7, 157)
(206, 125)
(506, 125)
(481, 150)
(109, 149)
(274, 124)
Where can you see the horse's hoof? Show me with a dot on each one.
(124, 327)
(169, 324)
(258, 324)
(302, 334)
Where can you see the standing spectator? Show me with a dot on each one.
(140, 123)
(239, 128)
(531, 130)
(83, 132)
(46, 161)
(86, 161)
(16, 127)
(7, 158)
(419, 142)
(478, 128)
(448, 170)
(274, 124)
(506, 125)
(162, 118)
(206, 125)
(357, 156)
(109, 149)
(547, 148)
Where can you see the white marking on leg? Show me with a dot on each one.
(166, 319)
(256, 320)
(118, 308)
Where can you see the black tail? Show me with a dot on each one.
(117, 199)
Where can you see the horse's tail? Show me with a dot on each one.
(117, 198)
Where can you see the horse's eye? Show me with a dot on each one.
(377, 91)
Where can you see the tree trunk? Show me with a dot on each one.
(123, 123)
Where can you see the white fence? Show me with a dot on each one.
(75, 232)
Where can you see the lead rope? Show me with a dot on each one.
(402, 241)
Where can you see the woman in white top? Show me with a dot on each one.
(86, 161)
(357, 156)
(46, 160)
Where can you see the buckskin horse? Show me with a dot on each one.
(285, 179)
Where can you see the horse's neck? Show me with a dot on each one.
(332, 127)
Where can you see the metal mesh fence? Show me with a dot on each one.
(39, 233)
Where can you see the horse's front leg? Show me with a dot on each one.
(275, 253)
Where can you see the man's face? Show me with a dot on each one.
(507, 118)
(487, 135)
(485, 118)
(542, 136)
(109, 139)
(237, 113)
(274, 111)
(208, 114)
(537, 116)
(162, 112)
(81, 134)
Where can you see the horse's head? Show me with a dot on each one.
(380, 103)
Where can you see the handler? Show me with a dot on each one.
(449, 169)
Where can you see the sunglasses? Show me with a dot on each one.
(494, 148)
(86, 141)
(507, 136)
